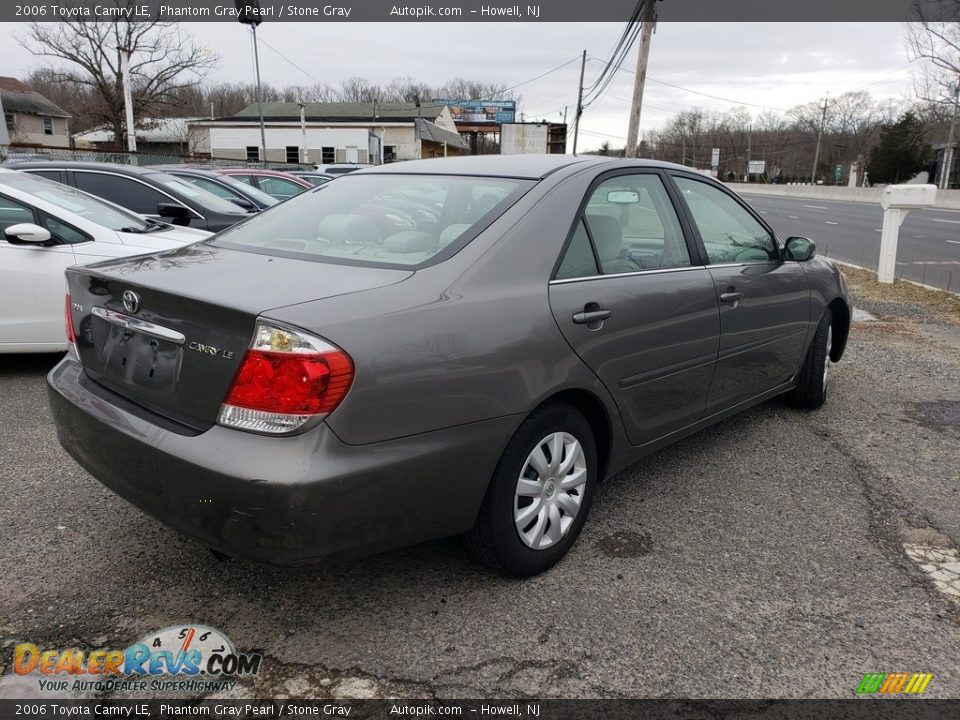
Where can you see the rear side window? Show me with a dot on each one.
(123, 191)
(279, 188)
(730, 234)
(579, 260)
(381, 220)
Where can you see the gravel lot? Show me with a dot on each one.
(761, 558)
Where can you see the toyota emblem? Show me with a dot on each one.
(131, 301)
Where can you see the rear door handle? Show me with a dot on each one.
(588, 317)
(731, 297)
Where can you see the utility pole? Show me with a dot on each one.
(576, 119)
(303, 133)
(127, 99)
(948, 151)
(640, 79)
(816, 154)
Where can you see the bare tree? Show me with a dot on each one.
(164, 61)
(934, 45)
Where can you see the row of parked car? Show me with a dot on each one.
(55, 214)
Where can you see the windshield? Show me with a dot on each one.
(381, 220)
(77, 202)
(205, 198)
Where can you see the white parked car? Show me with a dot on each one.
(46, 227)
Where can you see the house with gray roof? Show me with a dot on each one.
(331, 133)
(30, 118)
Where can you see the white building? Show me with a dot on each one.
(330, 132)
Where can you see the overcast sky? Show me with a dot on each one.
(775, 65)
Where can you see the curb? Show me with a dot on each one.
(911, 282)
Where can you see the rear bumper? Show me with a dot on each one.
(280, 500)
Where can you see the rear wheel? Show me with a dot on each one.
(540, 493)
(811, 390)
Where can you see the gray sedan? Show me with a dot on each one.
(456, 346)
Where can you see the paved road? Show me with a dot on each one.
(928, 250)
(761, 558)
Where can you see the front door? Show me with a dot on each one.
(764, 301)
(635, 308)
(32, 286)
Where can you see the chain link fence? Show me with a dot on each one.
(15, 154)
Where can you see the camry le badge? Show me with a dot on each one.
(211, 350)
(131, 301)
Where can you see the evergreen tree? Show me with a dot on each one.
(901, 153)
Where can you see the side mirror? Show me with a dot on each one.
(800, 249)
(26, 234)
(244, 203)
(177, 214)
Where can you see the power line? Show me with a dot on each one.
(697, 92)
(291, 62)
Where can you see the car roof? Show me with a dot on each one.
(533, 167)
(76, 165)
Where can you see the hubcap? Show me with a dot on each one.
(826, 361)
(550, 490)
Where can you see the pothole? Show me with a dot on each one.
(936, 414)
(941, 564)
(625, 544)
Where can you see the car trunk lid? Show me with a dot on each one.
(168, 331)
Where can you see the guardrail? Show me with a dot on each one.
(946, 199)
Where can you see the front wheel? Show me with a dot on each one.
(811, 390)
(540, 493)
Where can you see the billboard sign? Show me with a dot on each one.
(478, 112)
(756, 167)
(715, 158)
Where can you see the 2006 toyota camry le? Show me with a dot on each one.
(437, 347)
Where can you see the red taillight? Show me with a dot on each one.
(287, 378)
(295, 384)
(68, 319)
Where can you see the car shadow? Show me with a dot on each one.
(28, 363)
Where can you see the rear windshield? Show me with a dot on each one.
(380, 220)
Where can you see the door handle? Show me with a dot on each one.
(585, 318)
(731, 297)
(592, 314)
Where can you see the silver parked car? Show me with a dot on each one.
(434, 348)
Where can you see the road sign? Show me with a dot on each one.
(715, 158)
(838, 173)
(756, 167)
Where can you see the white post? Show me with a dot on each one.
(896, 202)
(892, 220)
(127, 99)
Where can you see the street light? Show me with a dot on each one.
(248, 13)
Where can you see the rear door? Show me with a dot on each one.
(764, 301)
(636, 305)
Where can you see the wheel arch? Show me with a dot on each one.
(592, 408)
(841, 327)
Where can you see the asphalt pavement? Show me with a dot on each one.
(928, 250)
(764, 557)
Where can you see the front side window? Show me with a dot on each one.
(379, 220)
(11, 121)
(293, 154)
(328, 155)
(13, 213)
(121, 190)
(64, 233)
(730, 233)
(253, 153)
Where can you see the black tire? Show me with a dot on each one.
(495, 539)
(811, 390)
